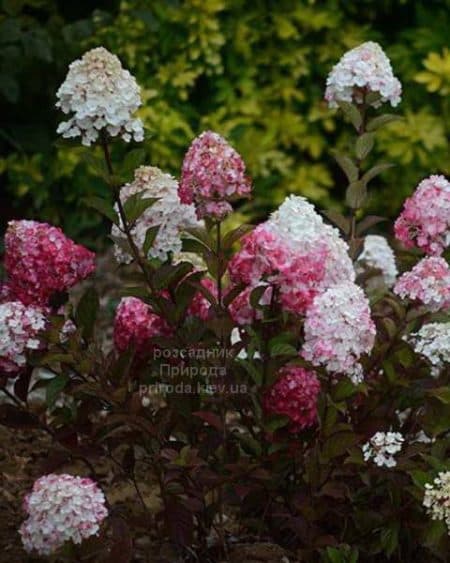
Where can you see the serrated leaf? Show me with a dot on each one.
(103, 206)
(136, 205)
(347, 165)
(352, 113)
(54, 388)
(233, 236)
(375, 170)
(132, 160)
(150, 237)
(86, 312)
(364, 144)
(381, 121)
(282, 349)
(341, 222)
(367, 223)
(356, 194)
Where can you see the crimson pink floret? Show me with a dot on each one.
(294, 395)
(425, 219)
(213, 175)
(135, 325)
(428, 282)
(41, 261)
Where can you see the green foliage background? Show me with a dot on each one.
(252, 70)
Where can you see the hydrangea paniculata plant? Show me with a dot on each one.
(60, 509)
(102, 96)
(425, 219)
(294, 395)
(362, 70)
(213, 175)
(41, 261)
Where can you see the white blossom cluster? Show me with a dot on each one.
(433, 342)
(168, 212)
(339, 330)
(61, 508)
(361, 70)
(382, 448)
(303, 228)
(437, 498)
(378, 255)
(101, 95)
(19, 327)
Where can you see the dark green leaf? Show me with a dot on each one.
(347, 165)
(352, 113)
(102, 206)
(150, 237)
(136, 205)
(54, 388)
(381, 121)
(364, 145)
(86, 312)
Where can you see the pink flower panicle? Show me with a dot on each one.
(294, 395)
(19, 329)
(425, 219)
(339, 330)
(41, 261)
(136, 324)
(265, 257)
(428, 282)
(61, 508)
(213, 175)
(361, 70)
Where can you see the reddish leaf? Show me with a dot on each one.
(210, 418)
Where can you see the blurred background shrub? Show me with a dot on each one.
(253, 71)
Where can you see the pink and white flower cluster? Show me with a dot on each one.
(294, 251)
(136, 324)
(265, 257)
(428, 282)
(60, 509)
(19, 329)
(101, 95)
(425, 219)
(294, 395)
(41, 261)
(360, 71)
(168, 213)
(213, 175)
(339, 330)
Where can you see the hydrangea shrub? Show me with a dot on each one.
(284, 377)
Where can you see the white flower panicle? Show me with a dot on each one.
(433, 342)
(437, 498)
(362, 70)
(168, 213)
(61, 508)
(300, 226)
(19, 328)
(339, 330)
(101, 95)
(378, 255)
(382, 447)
